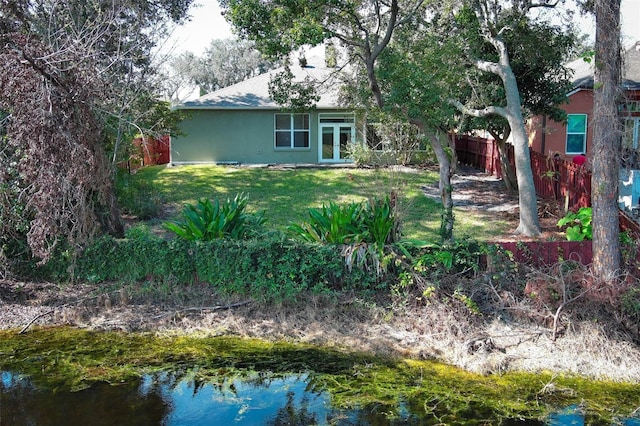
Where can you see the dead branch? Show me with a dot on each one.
(37, 317)
(202, 308)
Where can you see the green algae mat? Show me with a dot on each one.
(70, 360)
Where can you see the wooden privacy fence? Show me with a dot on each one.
(554, 178)
(148, 151)
(548, 253)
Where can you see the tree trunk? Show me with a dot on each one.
(444, 185)
(527, 201)
(529, 224)
(606, 141)
(508, 174)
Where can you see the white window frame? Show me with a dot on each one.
(292, 130)
(635, 132)
(584, 134)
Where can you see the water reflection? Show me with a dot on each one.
(247, 399)
(21, 403)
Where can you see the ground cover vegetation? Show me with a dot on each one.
(233, 245)
(330, 248)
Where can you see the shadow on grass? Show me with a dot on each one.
(286, 195)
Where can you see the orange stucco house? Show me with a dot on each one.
(575, 137)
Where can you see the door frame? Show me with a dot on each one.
(335, 121)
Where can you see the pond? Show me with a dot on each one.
(255, 399)
(64, 378)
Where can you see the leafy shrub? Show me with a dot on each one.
(578, 224)
(361, 154)
(459, 257)
(270, 270)
(368, 222)
(137, 197)
(208, 221)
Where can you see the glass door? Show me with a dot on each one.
(334, 140)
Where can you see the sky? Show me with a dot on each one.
(207, 24)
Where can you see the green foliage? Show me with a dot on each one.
(457, 257)
(631, 302)
(360, 153)
(295, 96)
(578, 224)
(268, 270)
(369, 222)
(14, 216)
(137, 197)
(208, 221)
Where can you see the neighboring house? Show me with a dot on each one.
(242, 124)
(575, 137)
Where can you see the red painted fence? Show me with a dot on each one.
(148, 152)
(554, 178)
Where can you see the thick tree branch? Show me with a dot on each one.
(484, 112)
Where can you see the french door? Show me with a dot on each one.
(337, 132)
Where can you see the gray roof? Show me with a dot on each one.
(583, 72)
(254, 92)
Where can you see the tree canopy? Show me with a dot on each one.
(68, 70)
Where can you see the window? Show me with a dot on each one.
(292, 130)
(374, 140)
(576, 133)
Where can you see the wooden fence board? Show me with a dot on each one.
(548, 253)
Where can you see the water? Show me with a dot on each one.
(165, 400)
(253, 399)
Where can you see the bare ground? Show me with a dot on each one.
(511, 333)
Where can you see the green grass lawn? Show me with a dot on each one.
(287, 194)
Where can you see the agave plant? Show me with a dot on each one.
(212, 220)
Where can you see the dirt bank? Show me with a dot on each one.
(436, 329)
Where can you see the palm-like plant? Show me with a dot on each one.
(212, 220)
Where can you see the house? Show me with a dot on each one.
(575, 137)
(242, 124)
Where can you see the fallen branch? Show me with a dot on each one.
(36, 318)
(203, 308)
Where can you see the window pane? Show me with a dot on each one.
(301, 140)
(283, 121)
(337, 118)
(630, 136)
(575, 144)
(373, 139)
(577, 123)
(283, 139)
(301, 121)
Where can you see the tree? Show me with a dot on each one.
(177, 76)
(364, 28)
(542, 78)
(225, 62)
(492, 30)
(66, 70)
(415, 86)
(230, 61)
(606, 141)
